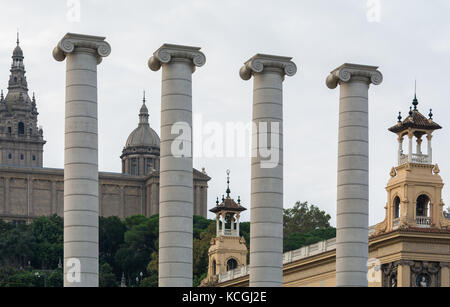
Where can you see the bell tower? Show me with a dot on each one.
(228, 250)
(21, 140)
(415, 188)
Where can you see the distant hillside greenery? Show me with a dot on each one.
(31, 255)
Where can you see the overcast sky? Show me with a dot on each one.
(408, 40)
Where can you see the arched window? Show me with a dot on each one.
(214, 267)
(231, 264)
(422, 206)
(397, 207)
(21, 128)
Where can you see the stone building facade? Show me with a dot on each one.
(28, 190)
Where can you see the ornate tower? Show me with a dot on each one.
(228, 250)
(415, 188)
(141, 152)
(21, 141)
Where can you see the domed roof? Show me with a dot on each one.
(143, 136)
(18, 52)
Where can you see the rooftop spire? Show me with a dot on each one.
(18, 41)
(143, 114)
(415, 101)
(228, 184)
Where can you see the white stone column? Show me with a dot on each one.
(266, 214)
(353, 172)
(410, 147)
(400, 149)
(176, 178)
(81, 204)
(430, 150)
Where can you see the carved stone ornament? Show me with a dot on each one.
(425, 274)
(72, 42)
(261, 62)
(169, 52)
(347, 72)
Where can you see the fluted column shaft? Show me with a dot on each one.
(266, 215)
(353, 172)
(176, 177)
(81, 191)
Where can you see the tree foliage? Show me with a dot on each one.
(30, 255)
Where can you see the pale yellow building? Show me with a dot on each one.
(410, 248)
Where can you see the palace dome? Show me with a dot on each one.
(143, 136)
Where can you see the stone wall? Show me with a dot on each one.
(27, 193)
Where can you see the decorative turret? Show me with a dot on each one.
(228, 213)
(228, 250)
(415, 188)
(415, 126)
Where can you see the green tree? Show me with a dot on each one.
(17, 247)
(111, 237)
(55, 279)
(303, 218)
(107, 279)
(201, 248)
(297, 240)
(48, 234)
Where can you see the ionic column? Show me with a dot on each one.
(176, 178)
(419, 146)
(353, 172)
(266, 250)
(400, 149)
(81, 206)
(430, 151)
(410, 147)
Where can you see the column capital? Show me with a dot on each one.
(72, 42)
(261, 62)
(347, 72)
(168, 52)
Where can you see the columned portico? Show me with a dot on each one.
(81, 189)
(176, 179)
(353, 171)
(266, 250)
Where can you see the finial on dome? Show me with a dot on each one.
(239, 200)
(399, 117)
(431, 114)
(18, 41)
(415, 101)
(228, 183)
(217, 201)
(223, 197)
(410, 111)
(144, 100)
